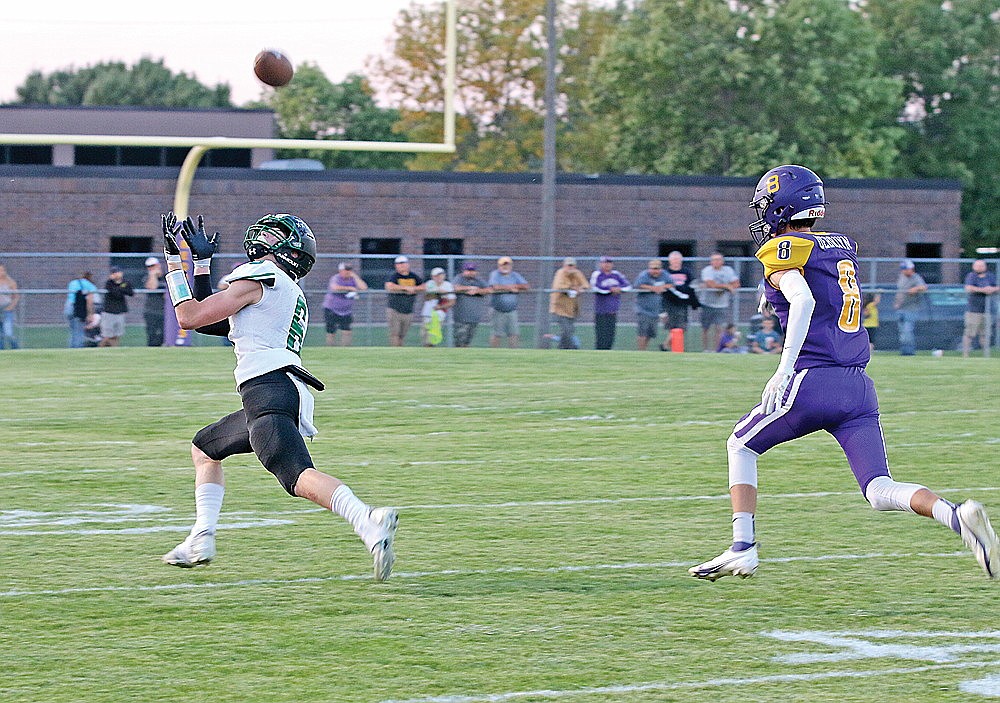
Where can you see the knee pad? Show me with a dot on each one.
(279, 446)
(742, 463)
(886, 494)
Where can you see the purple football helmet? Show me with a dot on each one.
(784, 194)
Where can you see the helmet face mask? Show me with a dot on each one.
(287, 238)
(785, 194)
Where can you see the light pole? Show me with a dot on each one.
(547, 244)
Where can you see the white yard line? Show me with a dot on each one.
(415, 575)
(685, 685)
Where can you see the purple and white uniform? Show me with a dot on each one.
(830, 389)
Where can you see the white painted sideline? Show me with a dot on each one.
(685, 685)
(411, 575)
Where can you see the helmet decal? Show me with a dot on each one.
(287, 238)
(784, 194)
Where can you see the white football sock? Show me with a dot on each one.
(352, 509)
(743, 528)
(944, 512)
(207, 506)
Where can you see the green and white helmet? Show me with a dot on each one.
(287, 237)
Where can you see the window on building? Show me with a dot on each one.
(228, 158)
(26, 154)
(157, 156)
(435, 251)
(687, 247)
(131, 266)
(375, 271)
(175, 155)
(930, 270)
(95, 156)
(140, 156)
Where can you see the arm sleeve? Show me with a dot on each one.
(800, 309)
(203, 289)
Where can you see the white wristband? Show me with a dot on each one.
(177, 286)
(202, 266)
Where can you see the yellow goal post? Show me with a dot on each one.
(200, 145)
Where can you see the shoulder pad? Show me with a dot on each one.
(263, 271)
(785, 252)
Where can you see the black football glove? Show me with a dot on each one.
(202, 246)
(171, 228)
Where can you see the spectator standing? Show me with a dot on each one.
(79, 308)
(439, 297)
(718, 281)
(116, 289)
(506, 284)
(651, 284)
(981, 286)
(152, 311)
(470, 305)
(869, 316)
(338, 304)
(8, 305)
(608, 284)
(677, 301)
(567, 284)
(403, 286)
(910, 290)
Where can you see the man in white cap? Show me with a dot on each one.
(439, 297)
(567, 283)
(152, 311)
(910, 289)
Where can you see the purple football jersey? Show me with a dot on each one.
(829, 264)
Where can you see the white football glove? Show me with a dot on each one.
(774, 391)
(764, 307)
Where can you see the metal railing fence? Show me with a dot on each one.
(40, 321)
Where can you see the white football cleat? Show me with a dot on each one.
(978, 535)
(729, 563)
(386, 520)
(198, 550)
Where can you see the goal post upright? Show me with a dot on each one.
(200, 145)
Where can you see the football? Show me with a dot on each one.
(273, 68)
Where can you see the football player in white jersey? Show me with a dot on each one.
(263, 312)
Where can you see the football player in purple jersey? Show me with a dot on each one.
(812, 285)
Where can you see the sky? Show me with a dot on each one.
(214, 40)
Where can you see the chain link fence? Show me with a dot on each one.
(40, 322)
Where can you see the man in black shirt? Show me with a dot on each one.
(115, 307)
(403, 286)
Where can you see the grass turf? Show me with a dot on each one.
(550, 503)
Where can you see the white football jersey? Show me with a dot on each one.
(268, 335)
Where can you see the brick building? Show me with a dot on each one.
(109, 210)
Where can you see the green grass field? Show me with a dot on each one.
(550, 503)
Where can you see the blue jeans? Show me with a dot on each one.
(7, 327)
(75, 332)
(907, 339)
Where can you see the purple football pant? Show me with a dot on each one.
(840, 400)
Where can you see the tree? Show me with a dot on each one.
(500, 77)
(947, 58)
(148, 83)
(311, 107)
(705, 87)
